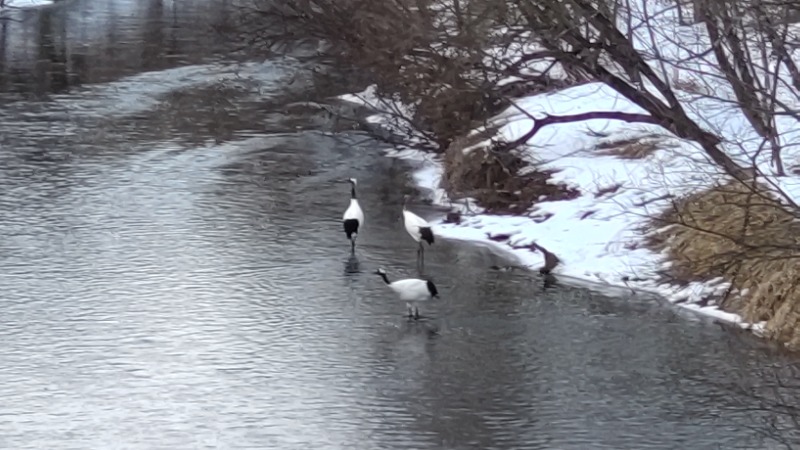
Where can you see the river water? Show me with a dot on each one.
(174, 275)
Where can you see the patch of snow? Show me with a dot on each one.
(144, 91)
(20, 4)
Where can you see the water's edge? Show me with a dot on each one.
(423, 181)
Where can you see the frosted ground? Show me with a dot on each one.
(25, 3)
(599, 236)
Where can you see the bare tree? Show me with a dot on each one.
(449, 61)
(452, 64)
(751, 50)
(589, 41)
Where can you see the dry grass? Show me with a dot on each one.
(690, 86)
(750, 241)
(637, 148)
(501, 182)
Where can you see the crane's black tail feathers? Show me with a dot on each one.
(427, 235)
(432, 289)
(350, 228)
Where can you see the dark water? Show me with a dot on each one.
(174, 275)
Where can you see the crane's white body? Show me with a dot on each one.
(353, 218)
(354, 212)
(411, 291)
(419, 229)
(413, 223)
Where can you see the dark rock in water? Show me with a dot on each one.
(626, 278)
(453, 217)
(549, 281)
(503, 268)
(550, 259)
(498, 237)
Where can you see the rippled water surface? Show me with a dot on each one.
(174, 275)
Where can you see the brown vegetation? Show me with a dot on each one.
(746, 237)
(502, 182)
(431, 54)
(448, 58)
(635, 148)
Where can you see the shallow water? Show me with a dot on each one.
(174, 275)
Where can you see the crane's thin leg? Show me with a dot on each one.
(352, 245)
(416, 313)
(410, 310)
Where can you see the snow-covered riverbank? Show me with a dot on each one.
(20, 4)
(598, 236)
(640, 187)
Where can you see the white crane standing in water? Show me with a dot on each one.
(411, 291)
(418, 228)
(353, 217)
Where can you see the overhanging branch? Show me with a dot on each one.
(547, 120)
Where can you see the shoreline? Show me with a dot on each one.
(603, 270)
(530, 261)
